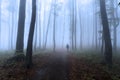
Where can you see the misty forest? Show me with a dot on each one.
(59, 40)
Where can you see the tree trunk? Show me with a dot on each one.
(54, 28)
(81, 32)
(30, 37)
(48, 26)
(115, 39)
(75, 22)
(96, 28)
(72, 24)
(35, 38)
(106, 34)
(21, 25)
(12, 27)
(39, 23)
(0, 20)
(63, 31)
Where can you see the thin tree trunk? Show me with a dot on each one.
(75, 22)
(0, 21)
(9, 23)
(115, 39)
(39, 21)
(35, 37)
(80, 30)
(12, 30)
(96, 28)
(39, 31)
(106, 34)
(48, 25)
(116, 23)
(30, 37)
(72, 26)
(54, 28)
(21, 24)
(63, 31)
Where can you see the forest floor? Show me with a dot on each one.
(62, 66)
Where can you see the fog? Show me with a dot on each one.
(59, 40)
(86, 19)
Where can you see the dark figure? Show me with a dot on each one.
(67, 46)
(119, 4)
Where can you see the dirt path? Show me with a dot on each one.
(56, 69)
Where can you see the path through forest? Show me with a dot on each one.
(61, 66)
(56, 69)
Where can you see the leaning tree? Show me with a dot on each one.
(30, 37)
(106, 34)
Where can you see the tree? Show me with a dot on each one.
(72, 24)
(54, 27)
(11, 22)
(96, 27)
(63, 36)
(48, 27)
(115, 25)
(113, 20)
(21, 25)
(106, 34)
(75, 24)
(30, 37)
(0, 20)
(81, 32)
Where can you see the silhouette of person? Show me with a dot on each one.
(119, 4)
(67, 46)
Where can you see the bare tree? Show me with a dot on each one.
(72, 24)
(63, 36)
(21, 25)
(39, 22)
(113, 20)
(115, 25)
(48, 26)
(75, 24)
(0, 20)
(106, 34)
(54, 27)
(35, 37)
(30, 37)
(81, 32)
(11, 22)
(96, 27)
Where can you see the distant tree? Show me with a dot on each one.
(72, 24)
(63, 36)
(21, 25)
(81, 32)
(74, 14)
(0, 20)
(48, 27)
(54, 26)
(106, 34)
(39, 20)
(11, 22)
(75, 25)
(30, 37)
(35, 37)
(115, 25)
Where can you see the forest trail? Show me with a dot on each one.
(61, 66)
(55, 69)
